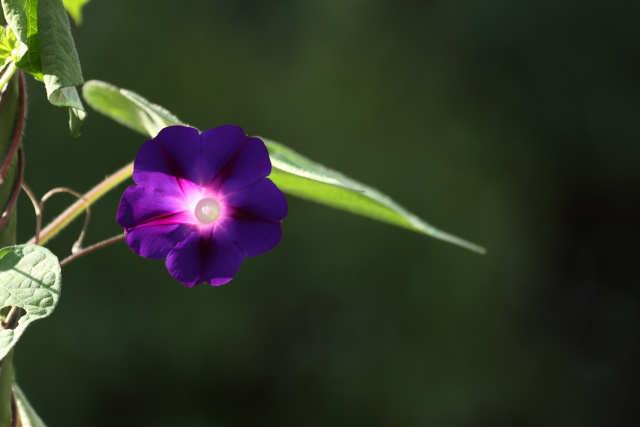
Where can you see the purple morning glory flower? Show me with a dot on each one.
(203, 201)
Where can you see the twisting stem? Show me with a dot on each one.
(17, 135)
(14, 147)
(78, 207)
(14, 192)
(36, 207)
(92, 248)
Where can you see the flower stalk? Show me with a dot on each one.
(92, 248)
(79, 206)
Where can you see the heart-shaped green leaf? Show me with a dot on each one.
(30, 280)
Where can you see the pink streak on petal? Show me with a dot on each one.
(140, 205)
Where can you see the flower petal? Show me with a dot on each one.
(179, 169)
(253, 234)
(251, 165)
(219, 145)
(233, 161)
(140, 206)
(205, 256)
(168, 162)
(261, 199)
(156, 241)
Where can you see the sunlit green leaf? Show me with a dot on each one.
(30, 280)
(11, 49)
(293, 173)
(22, 17)
(43, 26)
(128, 108)
(299, 176)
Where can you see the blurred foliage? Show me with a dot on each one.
(513, 124)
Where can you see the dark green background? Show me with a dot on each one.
(514, 124)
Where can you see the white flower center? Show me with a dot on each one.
(207, 210)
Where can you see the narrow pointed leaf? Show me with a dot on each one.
(29, 279)
(28, 416)
(74, 7)
(293, 173)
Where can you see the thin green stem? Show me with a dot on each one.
(78, 207)
(92, 248)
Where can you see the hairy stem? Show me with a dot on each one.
(13, 197)
(17, 133)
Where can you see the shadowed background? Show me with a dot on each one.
(512, 124)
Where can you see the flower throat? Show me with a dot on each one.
(207, 210)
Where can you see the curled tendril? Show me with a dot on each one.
(38, 207)
(77, 246)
